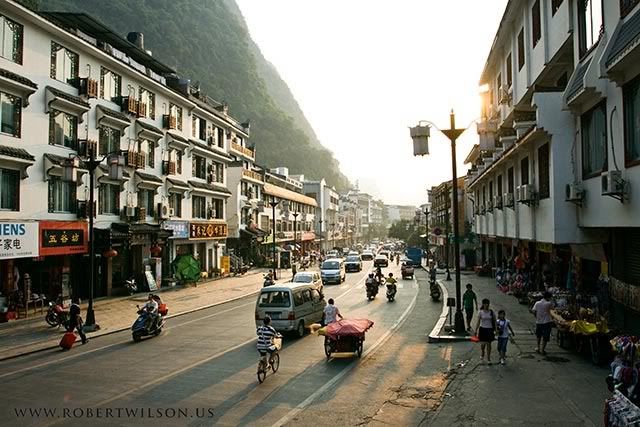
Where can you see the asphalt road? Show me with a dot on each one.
(200, 371)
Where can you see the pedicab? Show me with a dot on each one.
(345, 336)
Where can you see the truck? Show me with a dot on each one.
(415, 255)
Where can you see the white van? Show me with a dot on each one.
(291, 306)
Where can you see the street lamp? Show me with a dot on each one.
(320, 221)
(420, 135)
(333, 234)
(273, 203)
(295, 228)
(69, 173)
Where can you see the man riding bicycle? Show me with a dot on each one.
(266, 334)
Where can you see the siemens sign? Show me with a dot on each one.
(18, 240)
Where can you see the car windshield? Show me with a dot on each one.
(330, 265)
(353, 258)
(303, 278)
(274, 299)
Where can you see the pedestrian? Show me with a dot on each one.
(485, 329)
(504, 332)
(544, 321)
(330, 313)
(75, 320)
(469, 300)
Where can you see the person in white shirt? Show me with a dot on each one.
(485, 329)
(151, 307)
(330, 313)
(544, 321)
(504, 332)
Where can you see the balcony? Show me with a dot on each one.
(246, 173)
(247, 152)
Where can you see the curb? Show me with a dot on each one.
(434, 336)
(115, 331)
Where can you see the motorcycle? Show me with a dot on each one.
(142, 328)
(391, 292)
(372, 290)
(268, 281)
(434, 290)
(57, 315)
(130, 286)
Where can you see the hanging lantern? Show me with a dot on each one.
(116, 163)
(156, 250)
(110, 253)
(420, 136)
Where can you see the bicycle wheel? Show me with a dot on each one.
(275, 363)
(262, 372)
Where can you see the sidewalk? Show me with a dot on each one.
(563, 388)
(115, 314)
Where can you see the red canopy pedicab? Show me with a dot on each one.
(345, 336)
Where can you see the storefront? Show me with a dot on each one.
(207, 243)
(177, 244)
(19, 244)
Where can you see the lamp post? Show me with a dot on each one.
(333, 234)
(420, 135)
(426, 232)
(115, 164)
(295, 228)
(320, 221)
(273, 203)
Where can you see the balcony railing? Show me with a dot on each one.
(242, 150)
(251, 174)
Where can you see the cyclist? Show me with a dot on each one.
(266, 333)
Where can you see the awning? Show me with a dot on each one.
(147, 181)
(177, 186)
(109, 117)
(177, 141)
(15, 83)
(591, 251)
(205, 151)
(16, 158)
(283, 193)
(59, 100)
(209, 189)
(102, 176)
(53, 166)
(148, 131)
(627, 39)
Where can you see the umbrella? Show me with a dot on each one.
(348, 327)
(187, 268)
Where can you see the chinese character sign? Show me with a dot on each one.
(63, 237)
(18, 239)
(207, 230)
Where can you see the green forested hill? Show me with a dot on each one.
(208, 42)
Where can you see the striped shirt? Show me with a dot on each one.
(265, 337)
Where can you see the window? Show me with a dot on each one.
(590, 23)
(10, 113)
(510, 180)
(524, 171)
(179, 162)
(198, 207)
(555, 5)
(148, 98)
(62, 196)
(218, 209)
(521, 49)
(627, 6)
(109, 140)
(64, 63)
(63, 129)
(220, 137)
(499, 186)
(499, 85)
(109, 198)
(543, 171)
(199, 128)
(11, 40)
(199, 166)
(509, 70)
(631, 93)
(148, 148)
(594, 141)
(146, 199)
(175, 203)
(536, 28)
(175, 111)
(218, 172)
(9, 190)
(110, 84)
(490, 191)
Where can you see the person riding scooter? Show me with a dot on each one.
(268, 279)
(392, 288)
(151, 308)
(371, 285)
(379, 276)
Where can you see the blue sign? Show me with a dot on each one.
(180, 229)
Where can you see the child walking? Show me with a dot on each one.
(504, 332)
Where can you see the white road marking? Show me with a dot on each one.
(313, 397)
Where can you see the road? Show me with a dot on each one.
(200, 371)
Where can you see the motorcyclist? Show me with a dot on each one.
(432, 274)
(379, 275)
(391, 283)
(371, 283)
(268, 279)
(266, 333)
(397, 259)
(151, 308)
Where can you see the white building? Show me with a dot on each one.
(560, 182)
(70, 86)
(327, 199)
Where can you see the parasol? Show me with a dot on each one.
(346, 327)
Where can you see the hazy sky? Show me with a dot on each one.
(365, 70)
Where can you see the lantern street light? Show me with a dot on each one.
(115, 161)
(273, 203)
(295, 228)
(420, 136)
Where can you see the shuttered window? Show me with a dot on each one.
(625, 259)
(536, 27)
(543, 171)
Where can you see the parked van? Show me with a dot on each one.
(291, 306)
(333, 271)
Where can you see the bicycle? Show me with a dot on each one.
(264, 364)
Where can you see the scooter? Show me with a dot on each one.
(372, 290)
(57, 315)
(268, 281)
(131, 286)
(391, 292)
(434, 290)
(142, 328)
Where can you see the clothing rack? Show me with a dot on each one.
(621, 412)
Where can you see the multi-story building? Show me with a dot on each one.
(72, 88)
(349, 213)
(328, 201)
(557, 184)
(378, 213)
(441, 223)
(397, 213)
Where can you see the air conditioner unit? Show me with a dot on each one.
(489, 205)
(504, 95)
(612, 183)
(518, 194)
(163, 210)
(526, 192)
(508, 199)
(172, 212)
(130, 211)
(497, 202)
(573, 192)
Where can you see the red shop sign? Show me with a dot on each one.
(63, 237)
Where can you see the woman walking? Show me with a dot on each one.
(485, 329)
